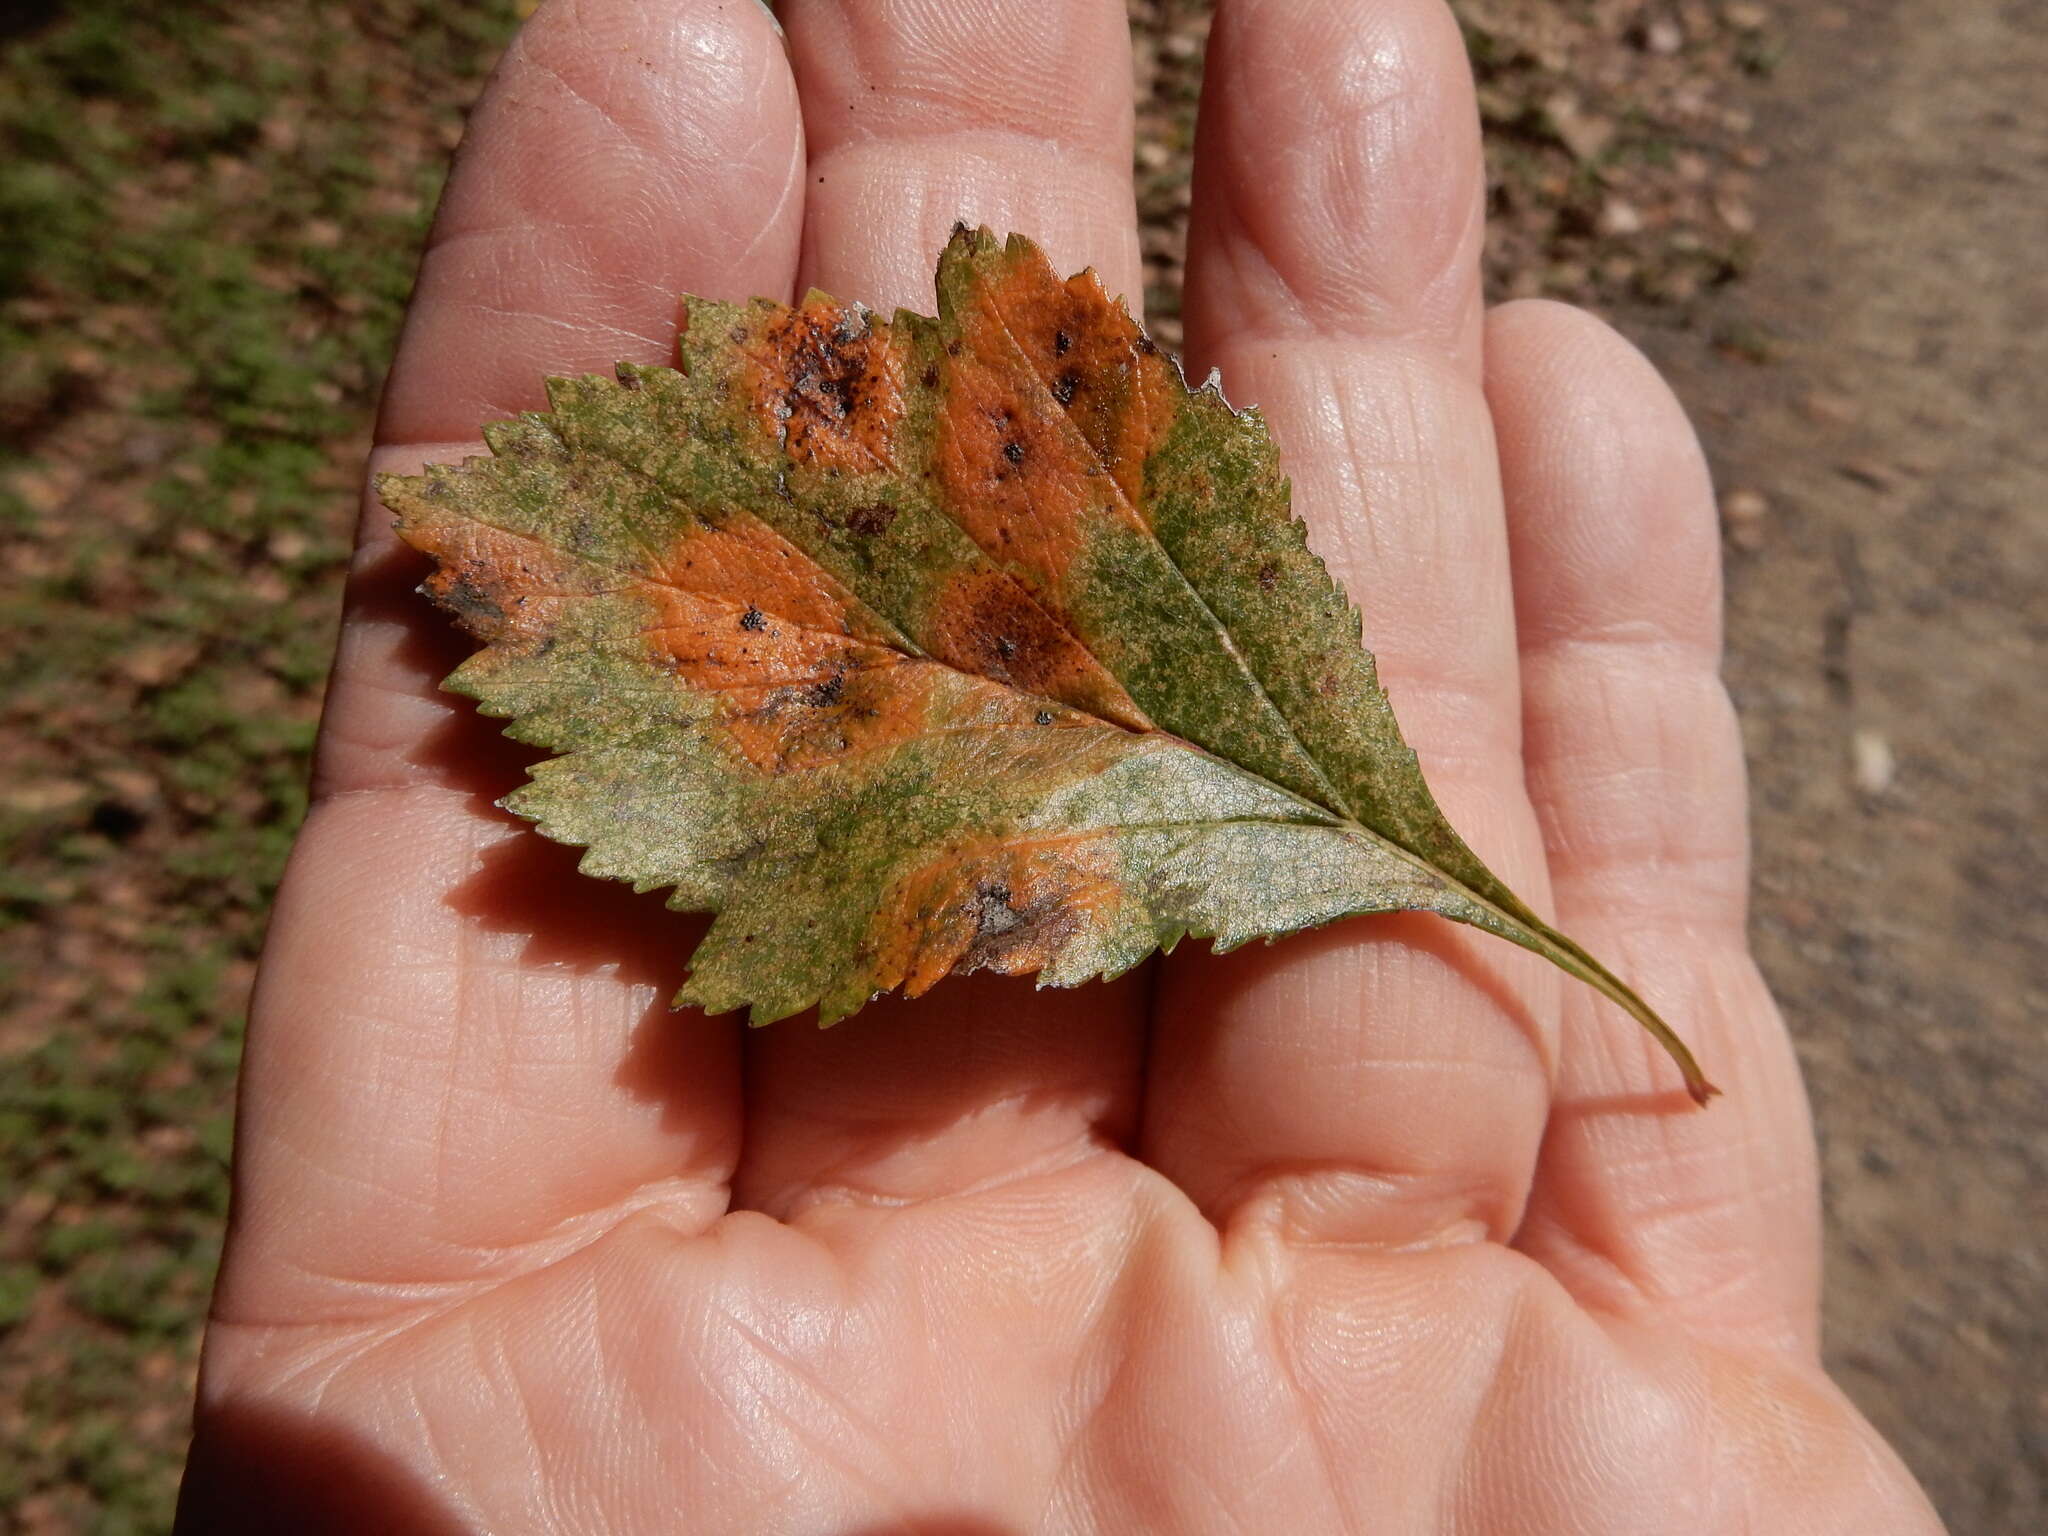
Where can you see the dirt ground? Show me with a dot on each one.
(1886, 472)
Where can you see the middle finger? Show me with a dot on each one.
(918, 114)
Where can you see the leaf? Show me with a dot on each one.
(934, 645)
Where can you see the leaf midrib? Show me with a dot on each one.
(1336, 805)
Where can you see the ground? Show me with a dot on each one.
(1813, 216)
(1887, 474)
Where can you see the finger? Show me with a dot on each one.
(627, 152)
(921, 113)
(1383, 1081)
(1635, 765)
(1017, 115)
(460, 1056)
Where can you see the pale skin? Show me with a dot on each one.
(1383, 1229)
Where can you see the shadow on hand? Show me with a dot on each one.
(266, 1469)
(467, 751)
(530, 886)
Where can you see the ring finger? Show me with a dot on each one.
(1383, 1081)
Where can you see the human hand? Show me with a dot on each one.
(1384, 1228)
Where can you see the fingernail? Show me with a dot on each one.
(775, 21)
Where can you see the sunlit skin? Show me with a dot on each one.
(1383, 1229)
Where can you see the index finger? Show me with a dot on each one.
(452, 1065)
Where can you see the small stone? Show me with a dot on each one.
(1585, 134)
(131, 785)
(152, 665)
(1664, 36)
(29, 1211)
(1872, 762)
(1735, 212)
(1798, 914)
(1744, 514)
(1745, 16)
(44, 491)
(1618, 216)
(40, 797)
(1830, 409)
(279, 133)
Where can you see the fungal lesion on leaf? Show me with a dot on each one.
(826, 380)
(1007, 905)
(1019, 931)
(468, 592)
(848, 704)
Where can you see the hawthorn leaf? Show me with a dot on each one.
(926, 645)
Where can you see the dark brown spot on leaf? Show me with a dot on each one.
(469, 593)
(827, 382)
(870, 521)
(985, 623)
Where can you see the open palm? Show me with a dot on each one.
(1383, 1229)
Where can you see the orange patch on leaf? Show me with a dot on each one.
(842, 712)
(1012, 472)
(1003, 907)
(826, 382)
(791, 697)
(744, 560)
(502, 587)
(1082, 347)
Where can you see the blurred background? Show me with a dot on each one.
(1821, 219)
